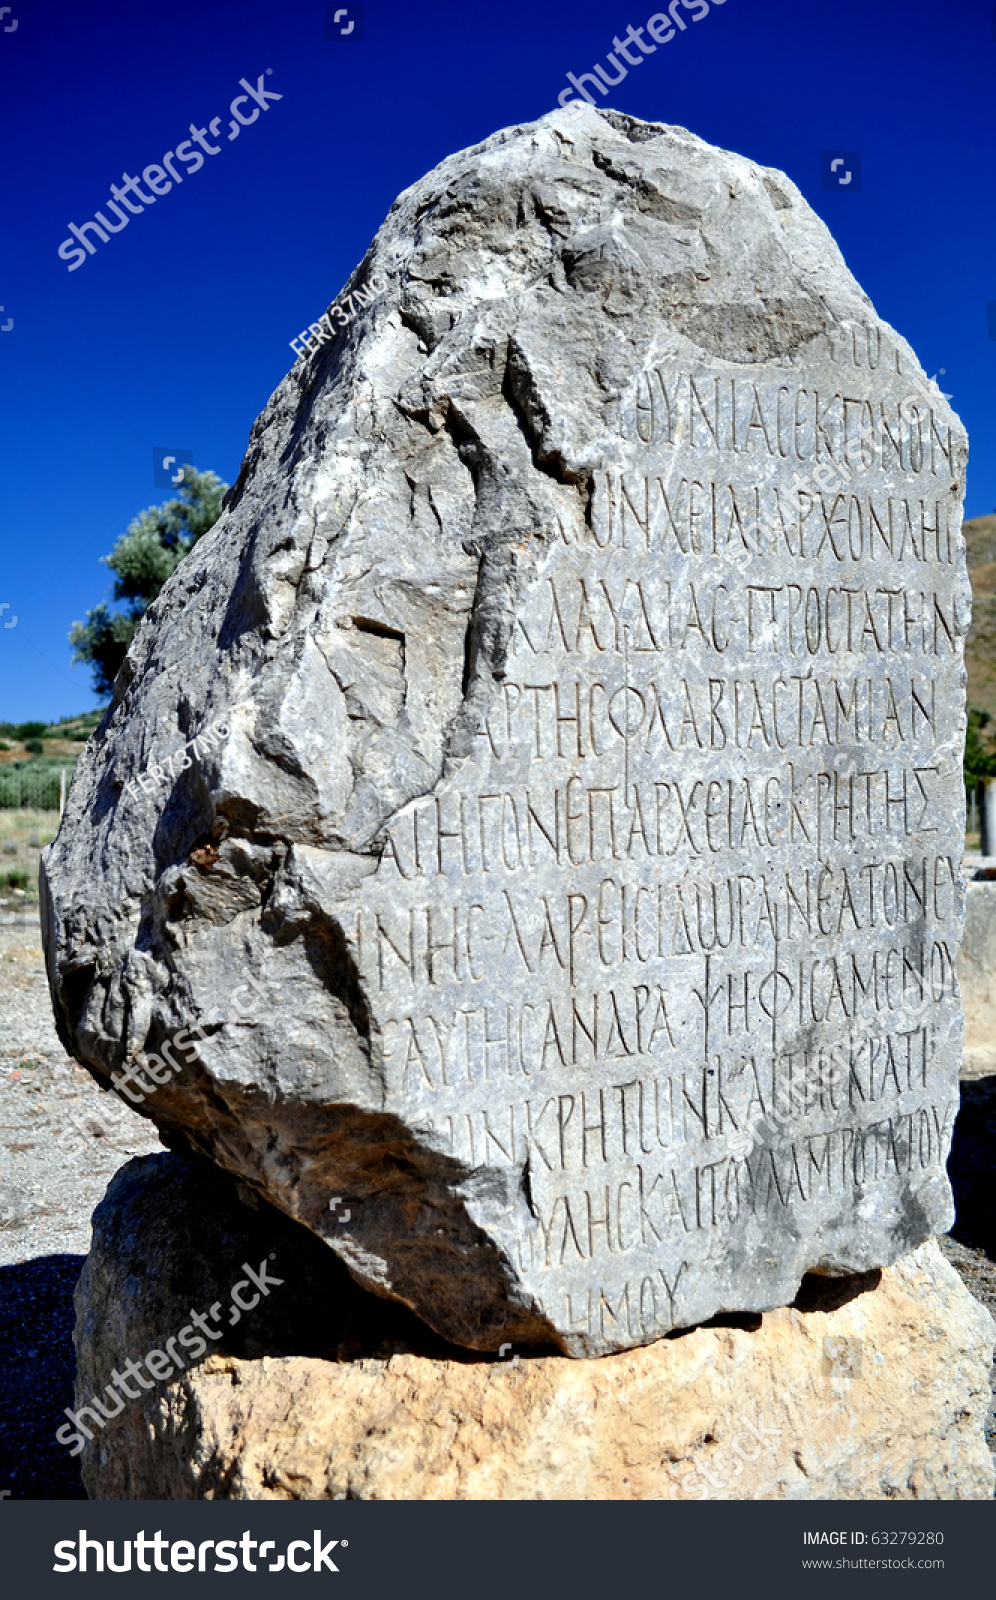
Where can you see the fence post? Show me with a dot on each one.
(988, 809)
(62, 791)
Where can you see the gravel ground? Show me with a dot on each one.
(48, 1193)
(48, 1190)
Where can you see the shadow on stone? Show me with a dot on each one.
(816, 1293)
(36, 1335)
(202, 1225)
(971, 1164)
(820, 1293)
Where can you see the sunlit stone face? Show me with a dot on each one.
(593, 806)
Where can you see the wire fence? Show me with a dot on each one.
(35, 788)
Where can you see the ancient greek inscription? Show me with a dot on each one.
(667, 962)
(787, 422)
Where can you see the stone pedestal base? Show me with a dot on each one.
(881, 1395)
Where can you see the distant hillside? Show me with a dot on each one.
(980, 646)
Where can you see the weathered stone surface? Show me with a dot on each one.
(868, 1388)
(594, 764)
(172, 1232)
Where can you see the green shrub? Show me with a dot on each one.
(15, 878)
(33, 783)
(142, 559)
(70, 727)
(980, 758)
(34, 747)
(4, 745)
(30, 730)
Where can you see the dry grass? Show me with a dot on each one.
(23, 836)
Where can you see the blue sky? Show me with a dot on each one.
(176, 331)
